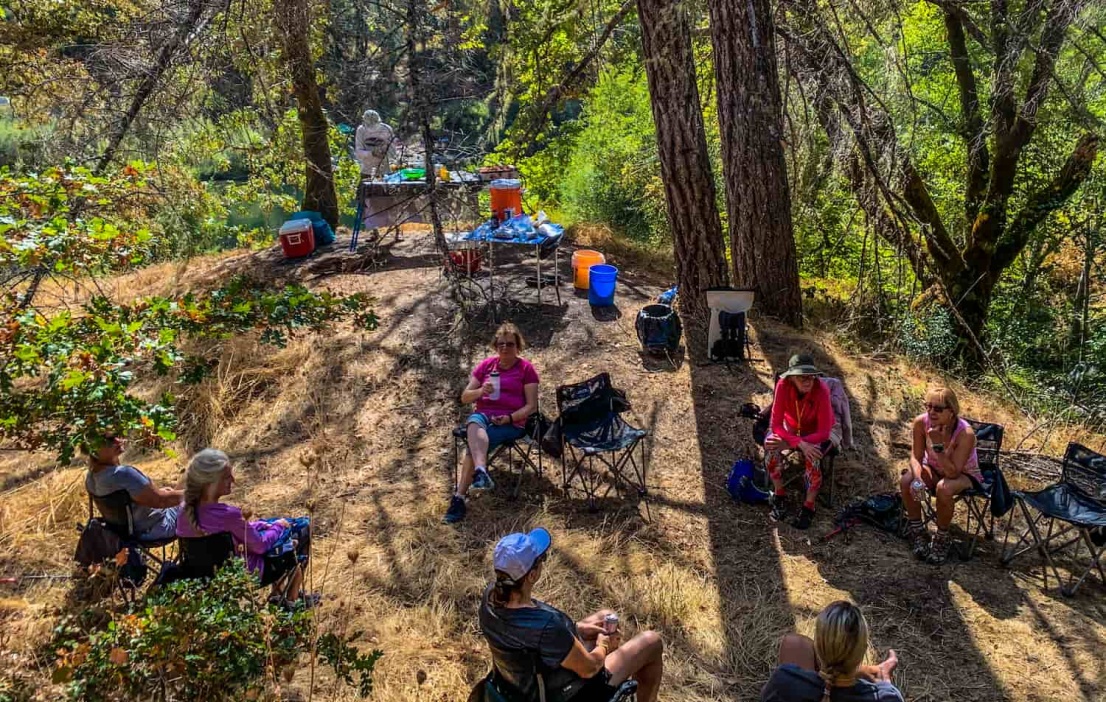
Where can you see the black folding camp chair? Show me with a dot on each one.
(592, 429)
(492, 688)
(521, 455)
(1069, 513)
(199, 557)
(116, 514)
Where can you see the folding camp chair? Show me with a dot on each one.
(115, 511)
(199, 557)
(1075, 505)
(493, 689)
(524, 452)
(593, 430)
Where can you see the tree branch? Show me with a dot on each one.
(1060, 17)
(554, 94)
(1043, 202)
(955, 9)
(971, 119)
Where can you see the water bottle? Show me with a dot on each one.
(918, 490)
(610, 624)
(493, 378)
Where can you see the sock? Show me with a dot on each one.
(809, 504)
(481, 469)
(914, 523)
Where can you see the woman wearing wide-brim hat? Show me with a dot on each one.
(803, 421)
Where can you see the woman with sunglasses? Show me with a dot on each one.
(943, 461)
(504, 388)
(540, 654)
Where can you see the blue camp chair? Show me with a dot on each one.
(1069, 513)
(592, 430)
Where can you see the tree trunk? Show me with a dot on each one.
(293, 19)
(750, 115)
(682, 146)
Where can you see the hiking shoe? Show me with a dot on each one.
(482, 481)
(939, 549)
(778, 505)
(456, 511)
(918, 536)
(806, 516)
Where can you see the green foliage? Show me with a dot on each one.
(68, 379)
(929, 334)
(347, 660)
(191, 640)
(613, 175)
(65, 220)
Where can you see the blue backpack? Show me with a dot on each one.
(741, 484)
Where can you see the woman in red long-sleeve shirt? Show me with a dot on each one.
(802, 420)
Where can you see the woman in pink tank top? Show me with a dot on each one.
(943, 462)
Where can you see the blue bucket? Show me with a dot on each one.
(601, 290)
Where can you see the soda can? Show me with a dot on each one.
(610, 623)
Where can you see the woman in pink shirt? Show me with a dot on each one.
(942, 461)
(210, 477)
(504, 389)
(802, 420)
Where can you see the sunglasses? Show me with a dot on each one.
(935, 408)
(505, 344)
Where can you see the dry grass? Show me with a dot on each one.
(353, 428)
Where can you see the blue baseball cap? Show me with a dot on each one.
(515, 554)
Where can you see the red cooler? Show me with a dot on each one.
(297, 238)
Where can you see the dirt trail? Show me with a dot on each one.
(355, 428)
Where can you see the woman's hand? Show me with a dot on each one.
(811, 452)
(502, 420)
(881, 672)
(488, 388)
(774, 443)
(283, 523)
(936, 435)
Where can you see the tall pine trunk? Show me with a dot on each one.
(682, 146)
(750, 115)
(293, 19)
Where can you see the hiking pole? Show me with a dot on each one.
(842, 528)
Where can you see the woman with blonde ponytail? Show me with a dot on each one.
(209, 478)
(831, 667)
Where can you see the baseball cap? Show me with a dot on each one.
(515, 554)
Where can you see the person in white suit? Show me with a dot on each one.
(374, 146)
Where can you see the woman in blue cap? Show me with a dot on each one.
(538, 652)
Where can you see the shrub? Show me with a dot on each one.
(929, 334)
(191, 640)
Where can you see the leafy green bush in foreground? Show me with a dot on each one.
(193, 640)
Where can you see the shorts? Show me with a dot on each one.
(597, 689)
(497, 434)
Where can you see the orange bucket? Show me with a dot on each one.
(506, 195)
(582, 261)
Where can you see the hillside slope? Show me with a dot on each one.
(355, 429)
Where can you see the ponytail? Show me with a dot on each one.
(205, 468)
(502, 589)
(840, 642)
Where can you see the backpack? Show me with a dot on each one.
(731, 342)
(883, 511)
(741, 483)
(98, 543)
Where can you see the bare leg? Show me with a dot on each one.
(912, 506)
(640, 658)
(947, 489)
(288, 586)
(477, 455)
(799, 651)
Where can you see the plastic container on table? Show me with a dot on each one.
(582, 260)
(604, 279)
(297, 238)
(506, 196)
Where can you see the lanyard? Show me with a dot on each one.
(799, 415)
